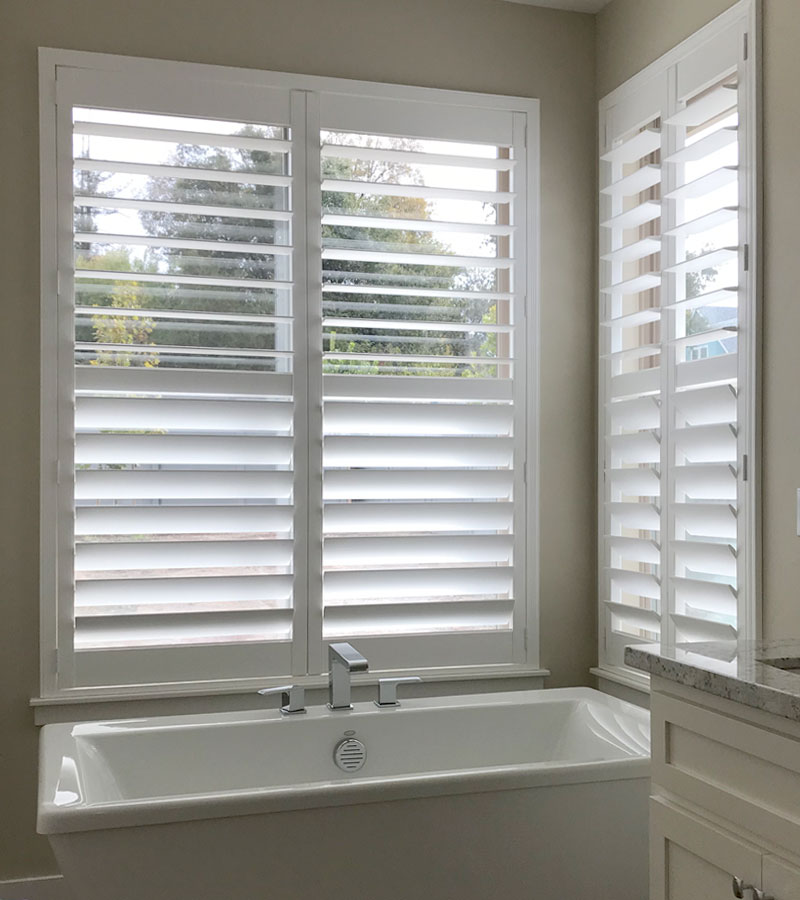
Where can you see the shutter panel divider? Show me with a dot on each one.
(308, 654)
(672, 286)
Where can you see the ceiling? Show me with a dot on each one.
(588, 6)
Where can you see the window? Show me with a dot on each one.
(678, 346)
(288, 375)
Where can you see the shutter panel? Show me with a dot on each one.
(705, 449)
(676, 361)
(421, 305)
(184, 403)
(631, 360)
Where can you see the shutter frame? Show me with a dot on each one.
(111, 82)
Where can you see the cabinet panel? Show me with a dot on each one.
(691, 858)
(735, 770)
(690, 876)
(781, 879)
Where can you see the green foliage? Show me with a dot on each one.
(120, 330)
(87, 184)
(696, 284)
(455, 348)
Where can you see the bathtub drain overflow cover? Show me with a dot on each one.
(350, 755)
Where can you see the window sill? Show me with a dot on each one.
(198, 697)
(637, 681)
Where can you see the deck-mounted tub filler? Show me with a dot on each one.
(540, 795)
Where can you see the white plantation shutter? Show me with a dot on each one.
(708, 207)
(179, 292)
(286, 375)
(423, 286)
(677, 347)
(631, 361)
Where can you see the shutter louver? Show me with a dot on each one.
(420, 480)
(184, 404)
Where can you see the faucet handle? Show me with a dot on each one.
(387, 690)
(292, 698)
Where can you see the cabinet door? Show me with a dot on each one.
(691, 859)
(781, 879)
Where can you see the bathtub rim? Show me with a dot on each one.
(56, 740)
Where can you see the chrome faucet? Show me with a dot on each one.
(292, 698)
(342, 660)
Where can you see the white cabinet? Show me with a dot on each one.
(726, 799)
(780, 879)
(690, 858)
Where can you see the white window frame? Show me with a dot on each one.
(661, 76)
(55, 495)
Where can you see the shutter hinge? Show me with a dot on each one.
(746, 46)
(745, 467)
(747, 257)
(525, 637)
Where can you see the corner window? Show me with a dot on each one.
(678, 295)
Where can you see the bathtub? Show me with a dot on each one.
(540, 795)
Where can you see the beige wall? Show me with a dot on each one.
(477, 45)
(631, 34)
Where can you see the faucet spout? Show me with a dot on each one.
(343, 659)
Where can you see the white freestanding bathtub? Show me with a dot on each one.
(540, 795)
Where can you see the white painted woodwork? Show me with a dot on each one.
(677, 301)
(780, 878)
(726, 797)
(188, 499)
(692, 859)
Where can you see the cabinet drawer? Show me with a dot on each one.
(691, 859)
(745, 774)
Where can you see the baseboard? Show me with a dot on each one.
(54, 888)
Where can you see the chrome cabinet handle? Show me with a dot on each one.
(292, 698)
(387, 690)
(739, 888)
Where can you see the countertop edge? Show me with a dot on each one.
(728, 687)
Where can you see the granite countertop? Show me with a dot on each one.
(734, 671)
